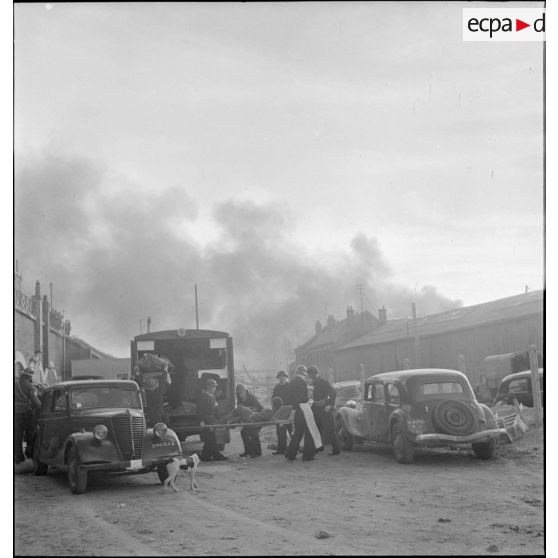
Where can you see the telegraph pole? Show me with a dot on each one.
(196, 297)
(417, 344)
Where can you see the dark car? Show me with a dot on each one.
(419, 408)
(518, 386)
(98, 425)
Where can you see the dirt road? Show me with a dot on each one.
(360, 502)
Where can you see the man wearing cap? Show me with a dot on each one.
(297, 394)
(282, 390)
(26, 402)
(208, 412)
(324, 400)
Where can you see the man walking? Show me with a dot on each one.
(324, 401)
(298, 395)
(282, 390)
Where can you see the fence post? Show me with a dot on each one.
(535, 383)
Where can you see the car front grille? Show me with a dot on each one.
(128, 433)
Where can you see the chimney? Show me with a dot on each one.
(148, 324)
(318, 326)
(350, 313)
(382, 315)
(330, 320)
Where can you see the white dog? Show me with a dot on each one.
(189, 464)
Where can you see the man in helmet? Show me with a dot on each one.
(282, 390)
(208, 412)
(26, 403)
(322, 407)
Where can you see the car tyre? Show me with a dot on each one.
(162, 473)
(77, 477)
(343, 435)
(39, 468)
(403, 450)
(485, 450)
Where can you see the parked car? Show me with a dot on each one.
(98, 425)
(419, 408)
(518, 386)
(348, 393)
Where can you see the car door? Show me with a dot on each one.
(55, 425)
(375, 415)
(393, 402)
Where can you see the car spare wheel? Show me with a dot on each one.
(453, 417)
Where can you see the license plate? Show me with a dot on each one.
(135, 464)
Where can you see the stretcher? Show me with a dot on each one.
(229, 425)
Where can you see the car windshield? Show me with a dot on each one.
(104, 397)
(439, 388)
(350, 392)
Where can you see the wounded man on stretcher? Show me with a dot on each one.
(245, 415)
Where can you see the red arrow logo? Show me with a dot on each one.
(519, 25)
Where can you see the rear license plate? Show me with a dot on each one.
(135, 464)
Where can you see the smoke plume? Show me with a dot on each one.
(116, 255)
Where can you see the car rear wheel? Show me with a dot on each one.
(39, 468)
(343, 435)
(77, 477)
(485, 450)
(403, 450)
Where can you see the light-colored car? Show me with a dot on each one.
(348, 393)
(518, 386)
(419, 408)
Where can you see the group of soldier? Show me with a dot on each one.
(310, 395)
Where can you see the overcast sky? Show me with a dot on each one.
(278, 154)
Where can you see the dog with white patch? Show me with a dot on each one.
(189, 464)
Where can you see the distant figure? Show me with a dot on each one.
(155, 388)
(26, 404)
(250, 434)
(208, 412)
(282, 390)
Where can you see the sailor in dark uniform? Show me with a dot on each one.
(298, 393)
(209, 414)
(282, 390)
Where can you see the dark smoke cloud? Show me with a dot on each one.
(115, 256)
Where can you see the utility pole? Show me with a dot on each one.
(141, 325)
(63, 345)
(360, 288)
(196, 297)
(535, 383)
(50, 295)
(417, 344)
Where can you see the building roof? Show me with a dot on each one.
(84, 345)
(334, 331)
(500, 310)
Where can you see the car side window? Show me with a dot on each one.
(518, 385)
(59, 401)
(46, 406)
(379, 396)
(369, 392)
(393, 395)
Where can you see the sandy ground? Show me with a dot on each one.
(360, 502)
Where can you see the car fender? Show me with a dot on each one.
(488, 417)
(155, 446)
(398, 416)
(352, 420)
(88, 448)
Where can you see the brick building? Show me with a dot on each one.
(37, 327)
(475, 332)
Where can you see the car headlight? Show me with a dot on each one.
(160, 429)
(416, 426)
(100, 432)
(351, 404)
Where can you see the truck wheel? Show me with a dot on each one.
(77, 478)
(344, 437)
(485, 450)
(162, 473)
(403, 450)
(39, 468)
